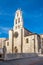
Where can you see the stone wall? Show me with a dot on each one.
(28, 47)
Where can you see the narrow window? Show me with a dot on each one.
(18, 20)
(7, 43)
(16, 27)
(27, 40)
(42, 41)
(16, 50)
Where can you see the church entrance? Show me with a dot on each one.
(16, 50)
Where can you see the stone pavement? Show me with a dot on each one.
(25, 61)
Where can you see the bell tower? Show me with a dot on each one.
(18, 21)
(18, 31)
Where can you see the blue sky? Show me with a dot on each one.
(32, 15)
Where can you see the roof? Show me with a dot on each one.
(28, 30)
(30, 33)
(6, 39)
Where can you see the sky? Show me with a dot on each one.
(32, 15)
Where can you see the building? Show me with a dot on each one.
(2, 41)
(41, 35)
(22, 40)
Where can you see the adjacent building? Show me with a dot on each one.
(2, 41)
(41, 35)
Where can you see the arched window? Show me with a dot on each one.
(42, 41)
(18, 26)
(27, 40)
(16, 50)
(18, 20)
(7, 43)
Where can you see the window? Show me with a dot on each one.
(18, 20)
(42, 41)
(27, 40)
(7, 43)
(18, 26)
(16, 50)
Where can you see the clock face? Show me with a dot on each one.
(16, 34)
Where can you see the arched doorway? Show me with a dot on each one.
(16, 50)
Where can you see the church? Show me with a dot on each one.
(22, 40)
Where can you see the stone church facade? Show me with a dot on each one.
(22, 40)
